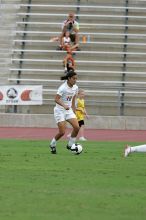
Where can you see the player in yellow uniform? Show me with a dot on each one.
(81, 113)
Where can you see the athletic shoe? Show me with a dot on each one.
(53, 149)
(78, 49)
(68, 147)
(59, 48)
(82, 139)
(73, 54)
(127, 151)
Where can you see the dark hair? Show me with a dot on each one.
(68, 75)
(69, 68)
(70, 25)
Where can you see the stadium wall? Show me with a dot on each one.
(94, 122)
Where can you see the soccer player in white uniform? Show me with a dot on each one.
(65, 108)
(132, 149)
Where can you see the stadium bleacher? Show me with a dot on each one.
(111, 64)
(8, 11)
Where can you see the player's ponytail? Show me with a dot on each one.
(69, 74)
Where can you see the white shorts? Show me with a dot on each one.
(63, 115)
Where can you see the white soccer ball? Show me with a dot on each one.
(76, 148)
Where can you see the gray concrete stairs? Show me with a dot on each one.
(111, 65)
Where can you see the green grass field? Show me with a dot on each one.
(98, 184)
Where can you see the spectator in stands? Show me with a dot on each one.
(72, 26)
(66, 43)
(68, 63)
(64, 110)
(132, 149)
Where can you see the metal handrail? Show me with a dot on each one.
(82, 15)
(91, 42)
(82, 24)
(79, 71)
(84, 6)
(79, 52)
(81, 61)
(85, 33)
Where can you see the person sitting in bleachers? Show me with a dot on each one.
(72, 26)
(68, 63)
(66, 43)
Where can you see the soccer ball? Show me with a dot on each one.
(76, 148)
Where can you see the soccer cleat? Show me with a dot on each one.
(82, 139)
(127, 151)
(68, 147)
(53, 149)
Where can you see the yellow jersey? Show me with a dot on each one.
(80, 104)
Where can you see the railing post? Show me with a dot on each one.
(0, 9)
(119, 102)
(23, 38)
(23, 47)
(78, 10)
(124, 67)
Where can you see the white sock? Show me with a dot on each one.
(71, 141)
(53, 142)
(139, 148)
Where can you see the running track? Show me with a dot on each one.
(90, 134)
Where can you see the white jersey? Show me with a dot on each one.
(66, 40)
(67, 93)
